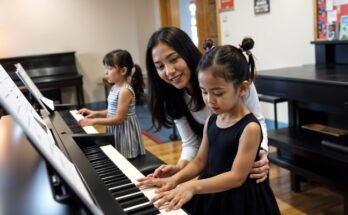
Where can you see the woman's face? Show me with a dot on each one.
(171, 67)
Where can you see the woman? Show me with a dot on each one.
(174, 94)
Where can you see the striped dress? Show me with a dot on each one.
(128, 139)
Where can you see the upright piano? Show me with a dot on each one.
(317, 95)
(50, 73)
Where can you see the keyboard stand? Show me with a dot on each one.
(61, 193)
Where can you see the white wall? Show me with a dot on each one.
(282, 37)
(91, 28)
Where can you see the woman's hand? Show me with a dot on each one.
(165, 171)
(174, 199)
(162, 184)
(260, 168)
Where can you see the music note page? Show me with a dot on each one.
(23, 75)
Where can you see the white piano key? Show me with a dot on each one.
(133, 174)
(78, 117)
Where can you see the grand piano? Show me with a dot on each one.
(317, 95)
(50, 73)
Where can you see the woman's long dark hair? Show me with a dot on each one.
(165, 101)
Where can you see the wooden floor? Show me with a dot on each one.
(314, 199)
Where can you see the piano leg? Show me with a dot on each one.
(80, 97)
(295, 182)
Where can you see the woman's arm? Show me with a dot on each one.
(252, 102)
(190, 144)
(190, 141)
(260, 168)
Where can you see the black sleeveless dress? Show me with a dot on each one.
(250, 198)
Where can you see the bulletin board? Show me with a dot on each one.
(331, 19)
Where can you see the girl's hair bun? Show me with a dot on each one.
(208, 44)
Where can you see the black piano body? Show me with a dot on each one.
(29, 181)
(50, 73)
(316, 94)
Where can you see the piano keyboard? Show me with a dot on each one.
(120, 176)
(116, 172)
(71, 118)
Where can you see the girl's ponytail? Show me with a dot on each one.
(138, 84)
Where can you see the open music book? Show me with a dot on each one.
(16, 104)
(44, 102)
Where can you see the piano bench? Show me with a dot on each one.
(146, 164)
(274, 100)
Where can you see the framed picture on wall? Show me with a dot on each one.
(226, 5)
(261, 6)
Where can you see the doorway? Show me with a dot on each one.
(198, 18)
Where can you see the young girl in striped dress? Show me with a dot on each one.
(120, 117)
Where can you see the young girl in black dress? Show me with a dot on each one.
(231, 140)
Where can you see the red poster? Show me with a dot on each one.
(226, 5)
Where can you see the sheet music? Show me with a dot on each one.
(22, 74)
(16, 104)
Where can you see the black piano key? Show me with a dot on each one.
(120, 182)
(116, 174)
(109, 173)
(133, 200)
(111, 179)
(100, 170)
(118, 193)
(71, 122)
(107, 169)
(150, 208)
(96, 162)
(90, 149)
(123, 187)
(94, 156)
(120, 186)
(95, 153)
(98, 159)
(102, 164)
